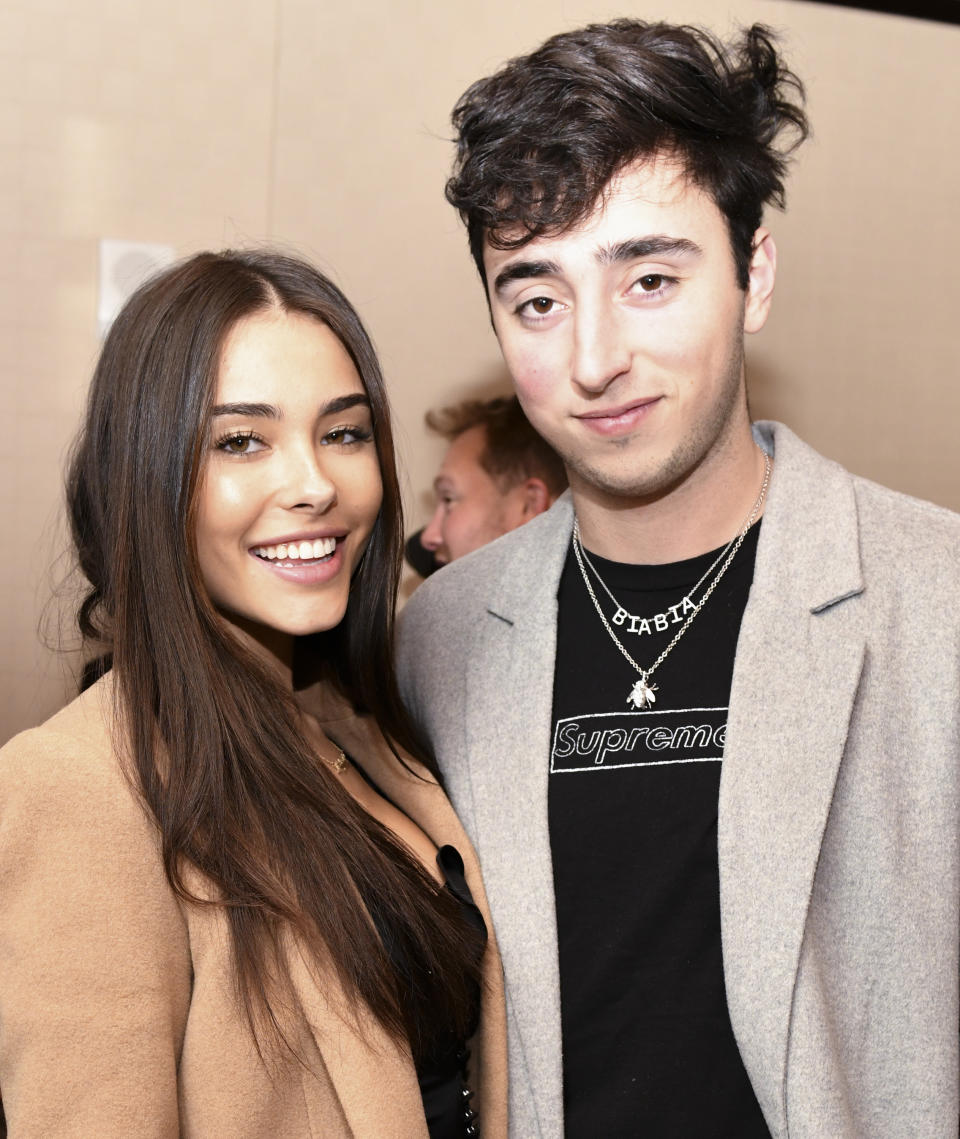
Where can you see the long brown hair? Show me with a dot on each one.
(213, 740)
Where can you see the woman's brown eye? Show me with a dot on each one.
(651, 282)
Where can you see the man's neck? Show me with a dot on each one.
(702, 512)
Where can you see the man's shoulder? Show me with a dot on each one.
(887, 519)
(467, 585)
(884, 508)
(915, 538)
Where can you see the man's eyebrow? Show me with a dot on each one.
(658, 245)
(522, 271)
(270, 411)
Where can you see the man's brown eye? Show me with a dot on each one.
(651, 282)
(541, 305)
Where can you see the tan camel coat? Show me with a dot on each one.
(118, 1017)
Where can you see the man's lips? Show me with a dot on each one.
(619, 419)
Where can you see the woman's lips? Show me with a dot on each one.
(303, 571)
(297, 549)
(619, 420)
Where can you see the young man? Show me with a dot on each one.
(709, 762)
(497, 474)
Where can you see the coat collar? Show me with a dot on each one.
(809, 557)
(509, 703)
(809, 549)
(799, 660)
(530, 573)
(415, 791)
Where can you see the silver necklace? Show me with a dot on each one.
(659, 622)
(641, 695)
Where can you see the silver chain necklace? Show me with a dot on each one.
(641, 695)
(659, 622)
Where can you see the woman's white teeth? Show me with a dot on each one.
(298, 551)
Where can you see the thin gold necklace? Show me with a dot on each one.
(338, 765)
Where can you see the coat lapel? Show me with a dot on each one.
(509, 703)
(356, 1064)
(799, 659)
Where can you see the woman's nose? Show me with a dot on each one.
(308, 486)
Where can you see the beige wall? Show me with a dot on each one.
(323, 126)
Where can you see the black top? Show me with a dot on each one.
(442, 1076)
(647, 1043)
(442, 1071)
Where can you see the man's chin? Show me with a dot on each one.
(633, 486)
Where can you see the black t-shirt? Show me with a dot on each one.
(647, 1044)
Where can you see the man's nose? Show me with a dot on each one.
(600, 349)
(432, 536)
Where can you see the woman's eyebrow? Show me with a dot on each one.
(249, 410)
(345, 402)
(270, 411)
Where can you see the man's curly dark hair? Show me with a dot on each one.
(539, 141)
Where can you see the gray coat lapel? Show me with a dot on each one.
(509, 710)
(798, 667)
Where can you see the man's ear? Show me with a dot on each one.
(763, 272)
(536, 498)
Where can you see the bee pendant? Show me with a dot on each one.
(642, 694)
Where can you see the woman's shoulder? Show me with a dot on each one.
(73, 828)
(74, 754)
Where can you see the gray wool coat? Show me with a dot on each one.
(839, 844)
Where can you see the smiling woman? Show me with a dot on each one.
(235, 898)
(292, 486)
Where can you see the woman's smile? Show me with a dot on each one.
(303, 563)
(304, 550)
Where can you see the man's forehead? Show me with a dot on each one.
(463, 451)
(644, 195)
